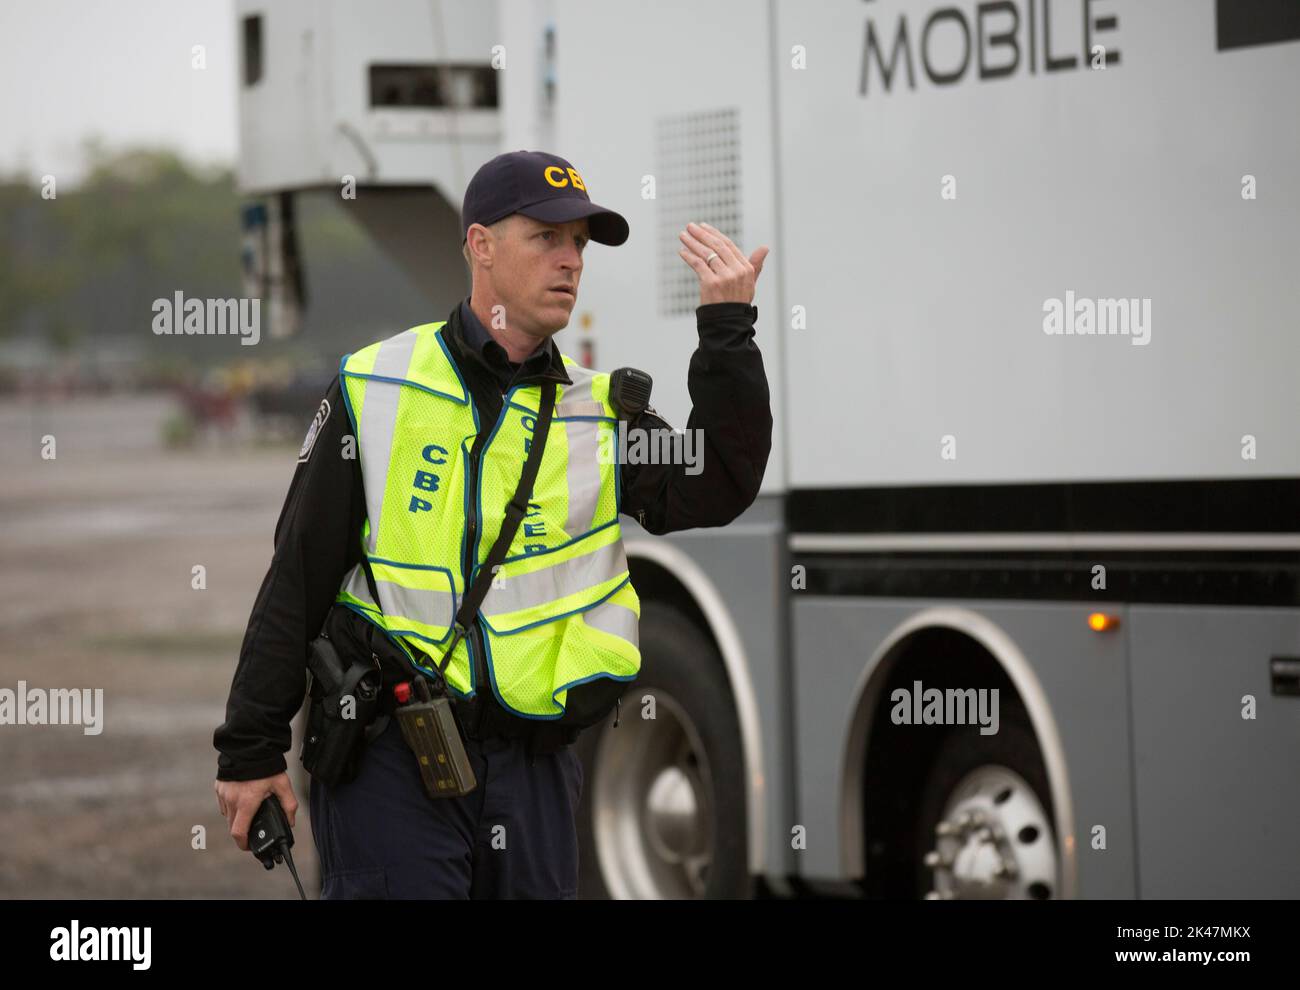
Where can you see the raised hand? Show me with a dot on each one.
(725, 274)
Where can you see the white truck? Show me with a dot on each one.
(1015, 614)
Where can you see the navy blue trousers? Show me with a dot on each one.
(513, 836)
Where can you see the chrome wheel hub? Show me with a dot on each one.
(994, 840)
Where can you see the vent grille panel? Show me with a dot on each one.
(697, 177)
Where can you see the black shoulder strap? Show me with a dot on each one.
(515, 513)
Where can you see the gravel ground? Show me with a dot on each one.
(97, 550)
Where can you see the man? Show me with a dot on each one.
(379, 548)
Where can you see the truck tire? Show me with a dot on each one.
(984, 826)
(662, 810)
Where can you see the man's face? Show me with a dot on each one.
(535, 272)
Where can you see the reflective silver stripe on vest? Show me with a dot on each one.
(379, 419)
(613, 618)
(592, 408)
(579, 393)
(523, 591)
(356, 586)
(583, 469)
(432, 608)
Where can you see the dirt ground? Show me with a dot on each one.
(97, 550)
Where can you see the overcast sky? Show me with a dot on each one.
(122, 70)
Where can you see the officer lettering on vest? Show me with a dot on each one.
(445, 416)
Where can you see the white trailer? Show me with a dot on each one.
(1098, 524)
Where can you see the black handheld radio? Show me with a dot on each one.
(269, 838)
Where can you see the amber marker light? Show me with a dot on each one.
(1101, 622)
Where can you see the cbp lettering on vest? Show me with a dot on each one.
(427, 480)
(529, 424)
(553, 641)
(534, 526)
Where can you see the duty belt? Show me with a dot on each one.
(482, 718)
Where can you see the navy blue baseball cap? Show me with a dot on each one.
(538, 185)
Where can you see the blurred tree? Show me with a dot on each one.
(144, 224)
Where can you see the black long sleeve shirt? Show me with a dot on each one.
(317, 537)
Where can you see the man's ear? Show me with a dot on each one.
(477, 238)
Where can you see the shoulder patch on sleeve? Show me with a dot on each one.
(313, 431)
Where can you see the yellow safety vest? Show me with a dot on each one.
(562, 610)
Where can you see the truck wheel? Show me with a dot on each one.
(662, 813)
(985, 829)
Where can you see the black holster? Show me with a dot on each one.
(345, 701)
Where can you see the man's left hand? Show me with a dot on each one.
(730, 276)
